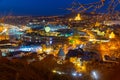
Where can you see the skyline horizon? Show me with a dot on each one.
(43, 8)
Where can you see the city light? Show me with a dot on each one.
(77, 40)
(74, 74)
(111, 35)
(78, 17)
(58, 72)
(95, 75)
(54, 71)
(79, 74)
(47, 29)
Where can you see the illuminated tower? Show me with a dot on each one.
(78, 17)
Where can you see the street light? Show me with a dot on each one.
(95, 75)
(74, 74)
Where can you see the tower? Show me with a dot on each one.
(61, 54)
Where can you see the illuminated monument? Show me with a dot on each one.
(78, 17)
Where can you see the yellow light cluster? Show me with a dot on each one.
(107, 48)
(78, 17)
(4, 37)
(78, 65)
(112, 35)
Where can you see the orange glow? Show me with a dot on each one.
(112, 35)
(4, 37)
(70, 19)
(109, 48)
(77, 63)
(1, 29)
(78, 17)
(97, 24)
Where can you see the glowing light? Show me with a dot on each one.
(59, 73)
(110, 47)
(51, 41)
(3, 54)
(48, 50)
(92, 39)
(3, 31)
(82, 46)
(54, 71)
(70, 19)
(78, 17)
(78, 64)
(74, 74)
(74, 40)
(47, 29)
(97, 24)
(112, 35)
(95, 75)
(26, 49)
(29, 48)
(39, 50)
(79, 74)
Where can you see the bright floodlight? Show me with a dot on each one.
(59, 73)
(3, 54)
(79, 74)
(95, 75)
(74, 74)
(54, 71)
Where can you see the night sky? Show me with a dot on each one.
(36, 7)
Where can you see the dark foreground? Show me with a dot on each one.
(20, 69)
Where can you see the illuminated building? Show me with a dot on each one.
(78, 17)
(111, 35)
(61, 56)
(100, 33)
(4, 33)
(97, 24)
(66, 32)
(57, 27)
(109, 23)
(110, 48)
